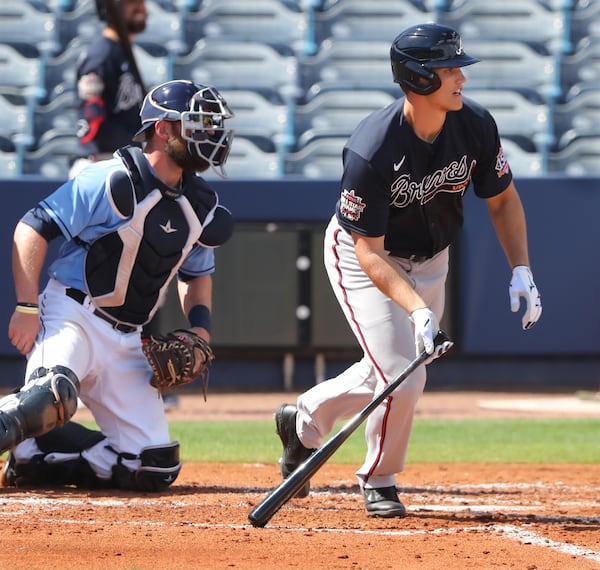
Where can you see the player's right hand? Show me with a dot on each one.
(22, 331)
(426, 329)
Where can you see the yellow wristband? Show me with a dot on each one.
(27, 309)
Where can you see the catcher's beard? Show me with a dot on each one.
(177, 149)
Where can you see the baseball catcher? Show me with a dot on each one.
(132, 225)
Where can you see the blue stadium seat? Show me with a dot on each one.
(53, 158)
(21, 22)
(517, 20)
(336, 113)
(256, 117)
(509, 65)
(164, 27)
(268, 21)
(522, 163)
(229, 64)
(358, 20)
(248, 162)
(579, 116)
(320, 158)
(515, 114)
(581, 157)
(347, 64)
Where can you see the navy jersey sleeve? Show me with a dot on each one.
(492, 174)
(363, 205)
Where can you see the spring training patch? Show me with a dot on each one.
(351, 206)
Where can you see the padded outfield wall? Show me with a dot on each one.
(277, 325)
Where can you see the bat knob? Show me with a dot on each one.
(440, 338)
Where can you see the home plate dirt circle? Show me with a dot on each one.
(460, 516)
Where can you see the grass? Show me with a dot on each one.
(432, 441)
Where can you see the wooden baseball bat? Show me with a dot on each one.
(288, 488)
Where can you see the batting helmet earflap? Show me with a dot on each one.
(419, 50)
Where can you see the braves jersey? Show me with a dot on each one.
(109, 98)
(123, 249)
(397, 185)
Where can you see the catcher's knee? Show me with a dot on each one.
(49, 399)
(159, 467)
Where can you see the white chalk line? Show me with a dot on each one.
(510, 531)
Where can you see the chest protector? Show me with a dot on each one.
(127, 271)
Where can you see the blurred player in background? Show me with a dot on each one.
(109, 97)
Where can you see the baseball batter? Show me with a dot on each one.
(130, 224)
(406, 170)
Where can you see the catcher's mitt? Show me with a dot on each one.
(173, 360)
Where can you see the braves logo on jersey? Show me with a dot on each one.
(453, 178)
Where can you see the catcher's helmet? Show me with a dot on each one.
(202, 112)
(419, 50)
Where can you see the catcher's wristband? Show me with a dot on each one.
(199, 316)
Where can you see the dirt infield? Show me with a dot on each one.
(529, 517)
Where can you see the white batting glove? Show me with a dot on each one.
(522, 285)
(426, 329)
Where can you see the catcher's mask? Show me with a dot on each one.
(202, 112)
(419, 50)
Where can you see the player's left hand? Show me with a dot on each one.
(522, 285)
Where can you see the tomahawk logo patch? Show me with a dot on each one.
(501, 163)
(351, 206)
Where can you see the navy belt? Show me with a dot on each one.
(80, 296)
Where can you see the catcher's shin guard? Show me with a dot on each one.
(159, 468)
(49, 399)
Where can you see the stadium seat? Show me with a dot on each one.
(21, 74)
(581, 70)
(347, 64)
(509, 65)
(517, 20)
(581, 157)
(14, 115)
(256, 117)
(579, 116)
(21, 21)
(248, 162)
(8, 165)
(371, 21)
(229, 64)
(80, 22)
(515, 114)
(320, 158)
(60, 70)
(164, 27)
(336, 113)
(59, 116)
(522, 163)
(268, 21)
(53, 158)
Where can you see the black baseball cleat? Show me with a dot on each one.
(294, 453)
(383, 503)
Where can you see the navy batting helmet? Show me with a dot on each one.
(202, 112)
(419, 50)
